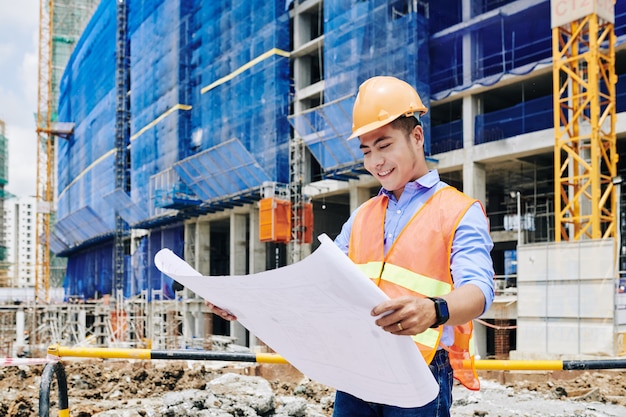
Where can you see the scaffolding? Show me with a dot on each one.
(7, 331)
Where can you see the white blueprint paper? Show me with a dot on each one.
(316, 314)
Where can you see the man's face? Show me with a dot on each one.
(393, 158)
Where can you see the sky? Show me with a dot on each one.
(19, 26)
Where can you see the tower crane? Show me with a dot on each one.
(585, 155)
(60, 24)
(45, 153)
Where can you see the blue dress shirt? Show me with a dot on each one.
(470, 259)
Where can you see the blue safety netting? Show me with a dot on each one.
(89, 273)
(514, 38)
(324, 131)
(202, 75)
(87, 98)
(361, 40)
(145, 275)
(119, 201)
(95, 267)
(224, 170)
(524, 117)
(620, 94)
(57, 242)
(245, 81)
(159, 90)
(446, 137)
(82, 225)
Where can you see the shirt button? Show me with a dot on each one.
(399, 212)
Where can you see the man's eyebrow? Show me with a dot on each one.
(375, 142)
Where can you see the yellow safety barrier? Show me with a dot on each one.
(482, 364)
(148, 354)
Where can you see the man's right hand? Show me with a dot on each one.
(225, 314)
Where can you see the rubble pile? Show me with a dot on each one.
(115, 388)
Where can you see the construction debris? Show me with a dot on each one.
(108, 388)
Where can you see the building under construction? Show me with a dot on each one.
(218, 130)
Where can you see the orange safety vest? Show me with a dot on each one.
(417, 264)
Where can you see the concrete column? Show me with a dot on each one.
(257, 256)
(480, 340)
(82, 324)
(256, 247)
(203, 247)
(475, 181)
(193, 322)
(469, 113)
(20, 326)
(474, 174)
(190, 243)
(358, 196)
(238, 246)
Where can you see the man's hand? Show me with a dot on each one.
(225, 314)
(413, 315)
(405, 315)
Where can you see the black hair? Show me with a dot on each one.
(406, 123)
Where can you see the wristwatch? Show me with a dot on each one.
(441, 309)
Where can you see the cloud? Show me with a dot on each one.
(22, 160)
(19, 14)
(28, 77)
(18, 90)
(7, 51)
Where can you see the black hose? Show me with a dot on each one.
(51, 369)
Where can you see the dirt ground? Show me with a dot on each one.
(96, 386)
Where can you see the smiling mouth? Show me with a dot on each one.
(385, 173)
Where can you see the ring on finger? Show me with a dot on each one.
(400, 326)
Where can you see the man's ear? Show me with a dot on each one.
(418, 134)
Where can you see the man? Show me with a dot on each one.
(425, 244)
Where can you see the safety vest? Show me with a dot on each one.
(417, 264)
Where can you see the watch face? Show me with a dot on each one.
(443, 310)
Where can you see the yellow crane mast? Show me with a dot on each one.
(585, 155)
(45, 153)
(61, 23)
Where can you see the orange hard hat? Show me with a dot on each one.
(380, 101)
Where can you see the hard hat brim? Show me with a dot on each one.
(368, 128)
(375, 125)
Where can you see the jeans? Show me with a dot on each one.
(347, 405)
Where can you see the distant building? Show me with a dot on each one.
(19, 225)
(4, 178)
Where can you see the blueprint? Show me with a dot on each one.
(316, 314)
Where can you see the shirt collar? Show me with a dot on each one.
(424, 182)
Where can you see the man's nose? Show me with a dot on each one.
(377, 159)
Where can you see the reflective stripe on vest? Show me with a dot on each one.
(400, 272)
(403, 277)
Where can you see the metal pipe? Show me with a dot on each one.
(482, 364)
(114, 353)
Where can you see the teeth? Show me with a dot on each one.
(383, 173)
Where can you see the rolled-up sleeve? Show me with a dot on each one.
(471, 261)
